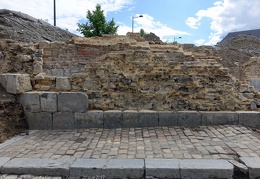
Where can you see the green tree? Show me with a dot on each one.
(97, 25)
(142, 32)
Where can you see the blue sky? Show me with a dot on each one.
(201, 22)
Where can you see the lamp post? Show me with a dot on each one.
(134, 17)
(54, 4)
(176, 38)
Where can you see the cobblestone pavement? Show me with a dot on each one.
(211, 142)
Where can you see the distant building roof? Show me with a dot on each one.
(255, 32)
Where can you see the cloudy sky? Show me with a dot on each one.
(202, 22)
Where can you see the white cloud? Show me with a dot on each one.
(227, 16)
(199, 42)
(69, 12)
(148, 23)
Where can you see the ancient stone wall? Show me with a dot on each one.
(125, 72)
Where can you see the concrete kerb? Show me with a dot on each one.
(253, 164)
(126, 168)
(134, 118)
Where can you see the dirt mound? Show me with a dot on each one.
(237, 50)
(22, 27)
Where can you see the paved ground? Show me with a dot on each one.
(212, 142)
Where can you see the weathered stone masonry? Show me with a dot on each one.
(118, 72)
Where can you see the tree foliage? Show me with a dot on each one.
(97, 25)
(142, 33)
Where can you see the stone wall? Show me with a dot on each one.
(126, 72)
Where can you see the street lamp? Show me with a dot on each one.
(54, 4)
(176, 38)
(134, 17)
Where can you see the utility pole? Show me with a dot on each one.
(54, 12)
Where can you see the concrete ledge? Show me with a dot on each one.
(127, 119)
(253, 164)
(249, 118)
(87, 167)
(168, 118)
(90, 119)
(3, 160)
(113, 119)
(105, 168)
(162, 168)
(38, 166)
(219, 118)
(189, 119)
(203, 168)
(123, 168)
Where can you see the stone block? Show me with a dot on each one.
(49, 101)
(73, 101)
(31, 101)
(124, 168)
(113, 119)
(205, 168)
(88, 168)
(148, 118)
(62, 83)
(38, 166)
(3, 80)
(189, 119)
(255, 82)
(253, 164)
(162, 168)
(219, 118)
(39, 120)
(168, 118)
(130, 118)
(63, 120)
(16, 83)
(57, 72)
(89, 119)
(3, 160)
(249, 118)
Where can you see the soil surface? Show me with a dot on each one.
(12, 120)
(22, 27)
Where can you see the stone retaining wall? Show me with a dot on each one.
(126, 73)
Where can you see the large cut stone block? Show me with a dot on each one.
(255, 82)
(203, 168)
(148, 118)
(31, 101)
(90, 119)
(38, 166)
(49, 101)
(63, 120)
(73, 101)
(162, 168)
(62, 83)
(124, 168)
(249, 118)
(253, 164)
(189, 118)
(16, 83)
(168, 118)
(113, 119)
(39, 120)
(89, 168)
(219, 118)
